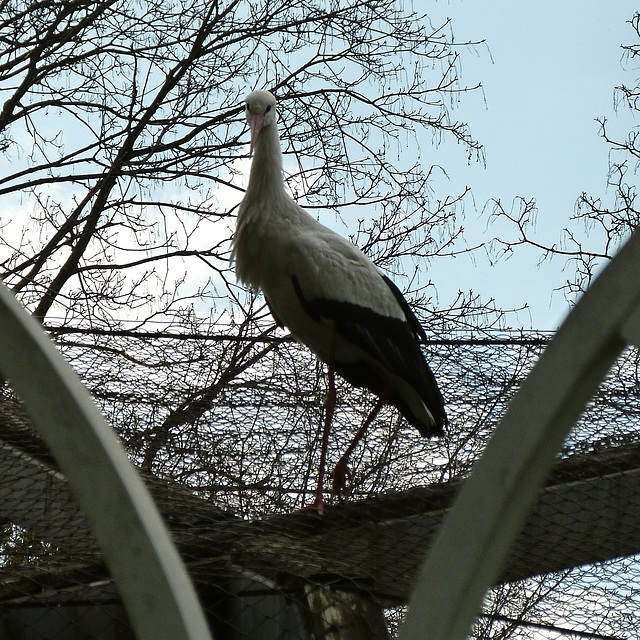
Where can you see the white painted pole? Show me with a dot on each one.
(471, 546)
(156, 591)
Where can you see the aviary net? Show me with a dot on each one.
(225, 433)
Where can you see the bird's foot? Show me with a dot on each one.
(316, 505)
(340, 475)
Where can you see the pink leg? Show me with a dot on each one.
(329, 407)
(342, 473)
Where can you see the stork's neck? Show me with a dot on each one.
(265, 177)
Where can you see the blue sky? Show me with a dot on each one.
(548, 70)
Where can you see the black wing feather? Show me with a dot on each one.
(408, 311)
(391, 341)
(273, 313)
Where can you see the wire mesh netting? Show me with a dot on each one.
(225, 431)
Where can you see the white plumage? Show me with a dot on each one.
(329, 295)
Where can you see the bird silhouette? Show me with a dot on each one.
(330, 296)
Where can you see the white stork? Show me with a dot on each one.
(330, 296)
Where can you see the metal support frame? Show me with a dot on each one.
(155, 589)
(472, 544)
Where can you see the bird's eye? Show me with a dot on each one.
(268, 108)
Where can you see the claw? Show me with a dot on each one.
(316, 505)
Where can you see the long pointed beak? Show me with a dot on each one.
(256, 121)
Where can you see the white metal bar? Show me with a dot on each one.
(471, 546)
(151, 578)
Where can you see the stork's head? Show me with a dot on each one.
(261, 112)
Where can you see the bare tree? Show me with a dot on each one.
(123, 120)
(124, 145)
(123, 139)
(601, 223)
